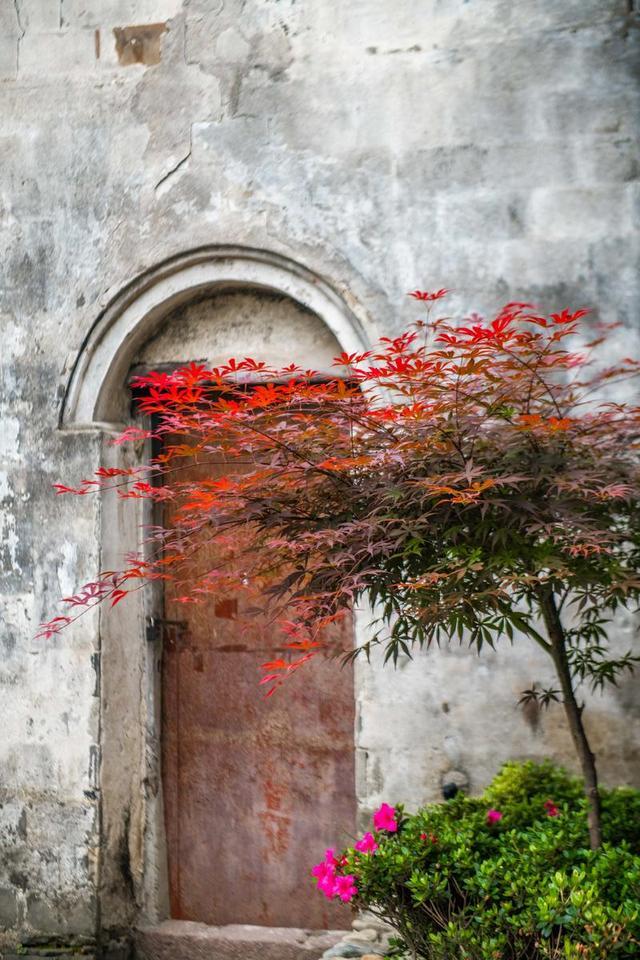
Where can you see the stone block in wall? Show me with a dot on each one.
(8, 57)
(238, 138)
(544, 14)
(64, 52)
(397, 26)
(11, 27)
(511, 164)
(211, 41)
(528, 163)
(439, 168)
(492, 214)
(555, 62)
(500, 115)
(40, 913)
(61, 915)
(579, 113)
(38, 15)
(594, 213)
(610, 160)
(116, 13)
(8, 908)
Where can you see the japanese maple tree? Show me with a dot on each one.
(469, 481)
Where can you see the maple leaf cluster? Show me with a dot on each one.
(450, 477)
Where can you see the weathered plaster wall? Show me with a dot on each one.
(486, 145)
(453, 716)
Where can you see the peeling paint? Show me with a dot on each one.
(9, 439)
(139, 44)
(9, 542)
(67, 568)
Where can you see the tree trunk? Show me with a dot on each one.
(558, 653)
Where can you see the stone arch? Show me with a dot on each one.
(94, 396)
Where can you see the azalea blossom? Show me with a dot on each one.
(327, 886)
(325, 874)
(326, 879)
(345, 888)
(385, 819)
(367, 844)
(493, 816)
(322, 870)
(329, 882)
(550, 807)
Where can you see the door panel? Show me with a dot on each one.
(254, 788)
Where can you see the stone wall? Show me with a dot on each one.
(484, 145)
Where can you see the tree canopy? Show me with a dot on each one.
(468, 480)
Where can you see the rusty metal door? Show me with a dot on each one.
(254, 788)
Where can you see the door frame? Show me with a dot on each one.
(129, 863)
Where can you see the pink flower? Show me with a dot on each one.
(367, 844)
(550, 807)
(385, 819)
(325, 874)
(328, 886)
(330, 883)
(345, 888)
(330, 857)
(321, 870)
(493, 816)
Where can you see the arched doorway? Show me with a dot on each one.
(251, 786)
(206, 305)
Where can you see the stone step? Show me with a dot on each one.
(29, 953)
(185, 940)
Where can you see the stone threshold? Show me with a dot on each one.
(185, 940)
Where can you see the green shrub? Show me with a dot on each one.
(526, 886)
(530, 783)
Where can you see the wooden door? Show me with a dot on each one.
(255, 789)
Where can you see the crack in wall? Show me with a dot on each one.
(162, 182)
(21, 32)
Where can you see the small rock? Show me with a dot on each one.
(454, 778)
(368, 921)
(363, 935)
(344, 949)
(372, 956)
